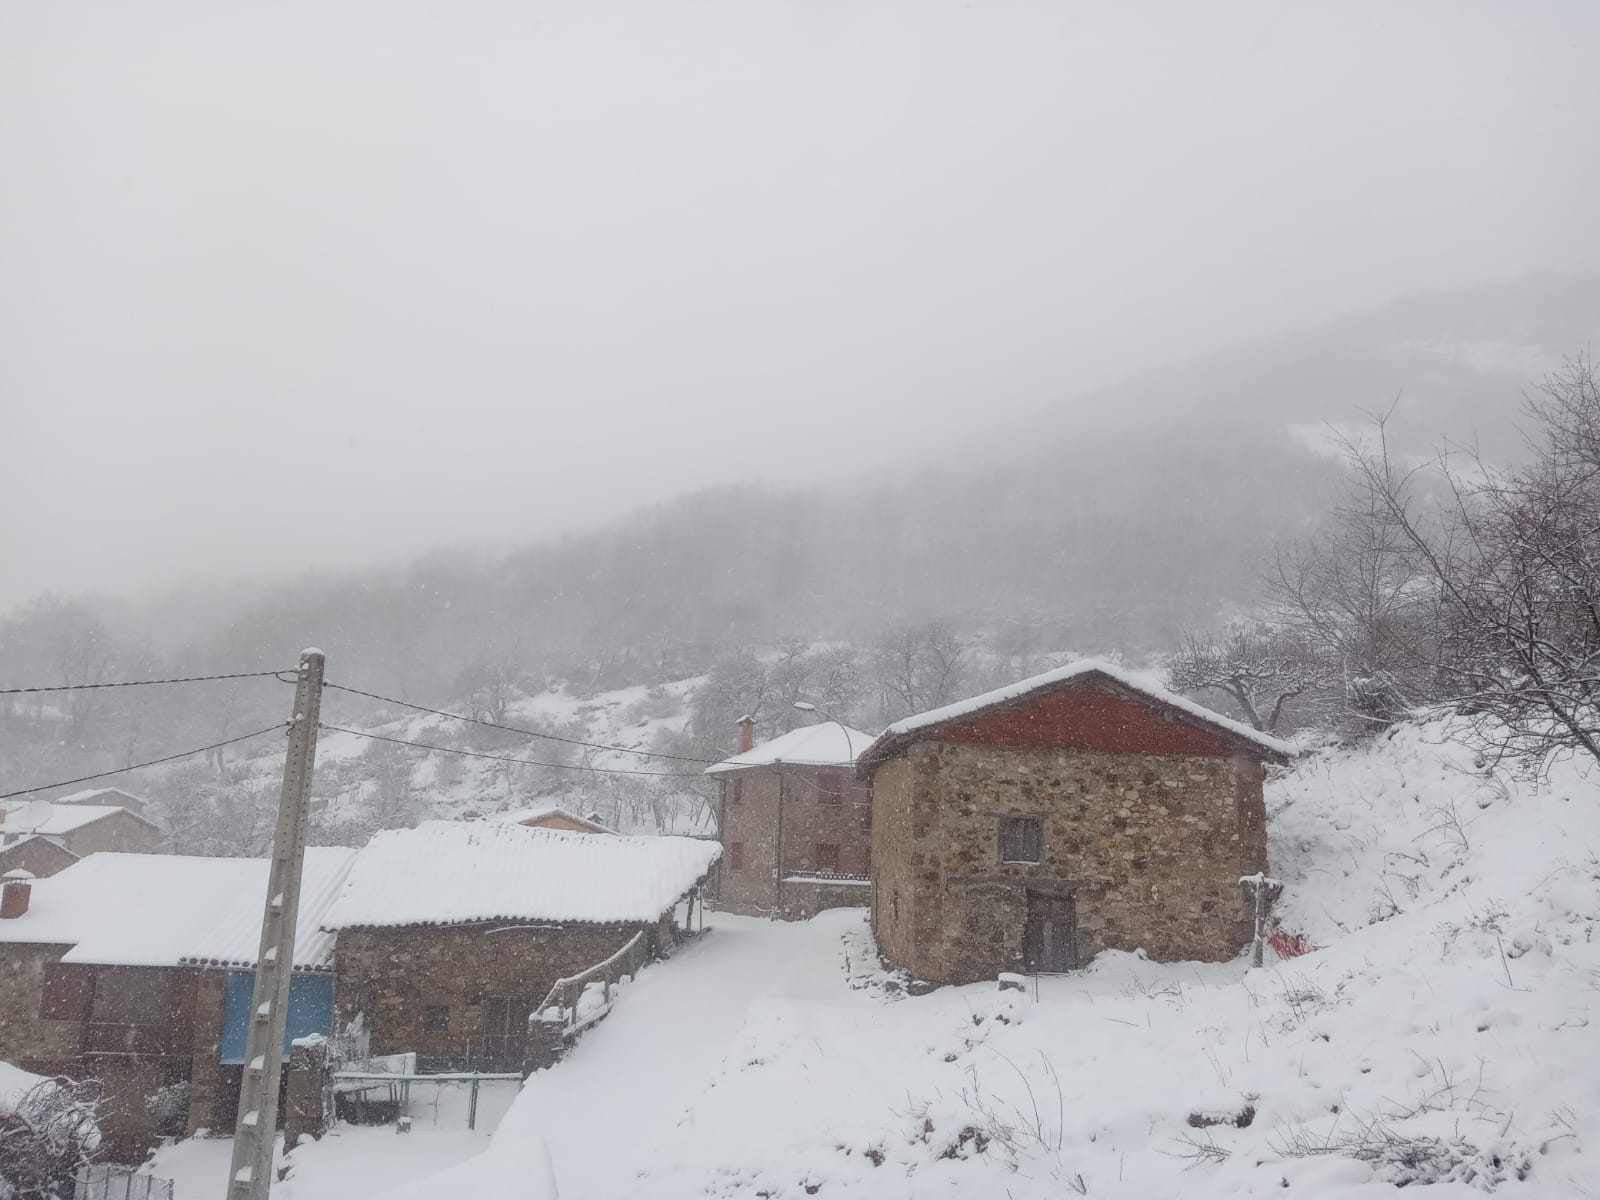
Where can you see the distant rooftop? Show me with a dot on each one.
(828, 744)
(61, 819)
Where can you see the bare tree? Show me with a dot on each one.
(1359, 595)
(51, 1131)
(1514, 558)
(1261, 669)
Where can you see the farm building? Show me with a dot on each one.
(136, 970)
(451, 934)
(72, 831)
(1083, 809)
(795, 824)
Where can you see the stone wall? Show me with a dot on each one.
(39, 856)
(120, 831)
(751, 803)
(28, 1038)
(395, 976)
(1151, 847)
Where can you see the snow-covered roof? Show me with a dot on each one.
(457, 872)
(61, 819)
(1086, 669)
(828, 744)
(526, 816)
(106, 795)
(169, 910)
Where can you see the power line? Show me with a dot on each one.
(530, 762)
(76, 687)
(439, 712)
(244, 737)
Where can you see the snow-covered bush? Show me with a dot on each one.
(46, 1133)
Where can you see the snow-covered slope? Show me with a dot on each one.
(1444, 1031)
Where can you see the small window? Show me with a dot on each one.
(826, 856)
(1021, 839)
(735, 791)
(437, 1019)
(831, 787)
(736, 859)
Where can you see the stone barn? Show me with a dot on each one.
(451, 934)
(1077, 811)
(795, 823)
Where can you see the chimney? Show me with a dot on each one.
(15, 889)
(747, 734)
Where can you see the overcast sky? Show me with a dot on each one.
(289, 283)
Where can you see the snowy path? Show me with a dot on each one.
(607, 1109)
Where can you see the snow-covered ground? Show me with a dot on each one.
(353, 1160)
(1444, 1031)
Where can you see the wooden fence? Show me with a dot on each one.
(566, 999)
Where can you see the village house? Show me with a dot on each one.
(136, 970)
(795, 825)
(1077, 811)
(451, 934)
(108, 797)
(553, 817)
(43, 838)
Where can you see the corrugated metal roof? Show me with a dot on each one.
(167, 910)
(458, 872)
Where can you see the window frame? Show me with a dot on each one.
(1003, 828)
(436, 1018)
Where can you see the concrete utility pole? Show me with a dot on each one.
(250, 1177)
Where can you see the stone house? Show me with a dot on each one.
(451, 934)
(794, 822)
(108, 797)
(1080, 810)
(136, 970)
(77, 829)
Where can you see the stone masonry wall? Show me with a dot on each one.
(1151, 846)
(396, 975)
(894, 865)
(28, 1039)
(39, 856)
(114, 832)
(750, 817)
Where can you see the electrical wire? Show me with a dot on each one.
(244, 737)
(76, 687)
(553, 737)
(530, 762)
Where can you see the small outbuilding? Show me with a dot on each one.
(553, 816)
(1081, 810)
(451, 934)
(795, 823)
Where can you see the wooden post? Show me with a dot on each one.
(250, 1175)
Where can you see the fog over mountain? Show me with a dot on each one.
(1058, 534)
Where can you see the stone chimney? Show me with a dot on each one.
(16, 887)
(747, 734)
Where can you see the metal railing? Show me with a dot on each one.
(357, 1084)
(108, 1181)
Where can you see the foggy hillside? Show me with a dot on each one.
(1110, 532)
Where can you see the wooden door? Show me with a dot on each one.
(505, 1030)
(1050, 935)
